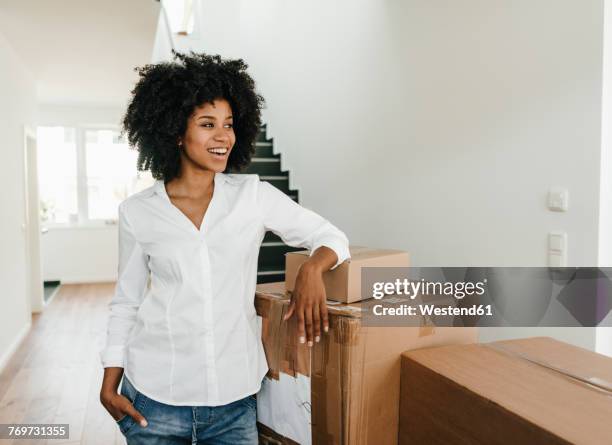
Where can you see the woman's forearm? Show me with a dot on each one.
(111, 379)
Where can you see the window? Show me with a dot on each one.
(84, 173)
(111, 173)
(180, 15)
(57, 174)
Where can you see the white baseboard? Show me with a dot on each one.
(14, 345)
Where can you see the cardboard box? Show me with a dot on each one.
(528, 391)
(345, 390)
(343, 284)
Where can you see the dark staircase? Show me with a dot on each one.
(271, 263)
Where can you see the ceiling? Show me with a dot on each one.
(81, 51)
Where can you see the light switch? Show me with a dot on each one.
(557, 249)
(557, 241)
(558, 199)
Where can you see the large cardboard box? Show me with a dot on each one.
(343, 284)
(529, 391)
(345, 390)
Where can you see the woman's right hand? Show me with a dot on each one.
(119, 406)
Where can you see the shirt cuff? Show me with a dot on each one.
(341, 249)
(112, 357)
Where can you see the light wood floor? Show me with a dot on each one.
(55, 375)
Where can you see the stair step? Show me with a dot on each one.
(261, 136)
(272, 243)
(271, 237)
(280, 182)
(264, 166)
(265, 151)
(271, 277)
(273, 255)
(275, 178)
(271, 272)
(266, 160)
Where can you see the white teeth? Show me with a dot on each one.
(219, 151)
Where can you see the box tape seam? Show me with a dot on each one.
(592, 382)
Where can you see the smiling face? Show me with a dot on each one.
(209, 137)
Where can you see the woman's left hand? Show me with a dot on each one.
(308, 302)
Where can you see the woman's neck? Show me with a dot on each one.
(191, 183)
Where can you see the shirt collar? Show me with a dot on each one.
(160, 188)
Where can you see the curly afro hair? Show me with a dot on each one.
(165, 97)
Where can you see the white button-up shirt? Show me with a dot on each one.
(191, 335)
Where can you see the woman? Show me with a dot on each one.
(187, 343)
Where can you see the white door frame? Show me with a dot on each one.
(31, 222)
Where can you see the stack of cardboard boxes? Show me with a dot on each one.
(345, 389)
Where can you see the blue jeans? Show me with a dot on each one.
(231, 424)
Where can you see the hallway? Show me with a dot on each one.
(55, 375)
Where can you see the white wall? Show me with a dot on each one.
(17, 91)
(434, 126)
(80, 254)
(80, 114)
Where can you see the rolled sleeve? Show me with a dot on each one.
(340, 247)
(133, 274)
(298, 226)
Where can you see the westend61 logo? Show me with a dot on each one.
(486, 296)
(411, 289)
